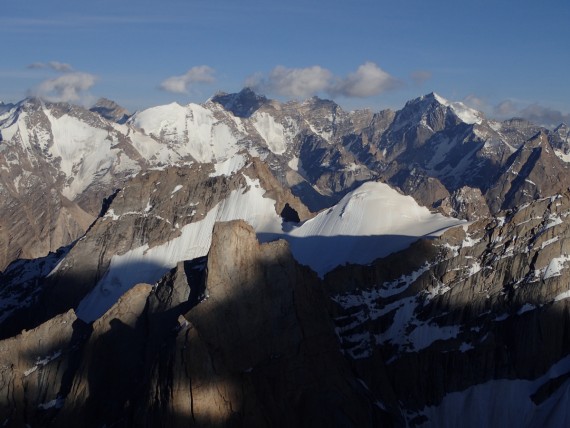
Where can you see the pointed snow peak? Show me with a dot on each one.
(426, 102)
(434, 101)
(243, 104)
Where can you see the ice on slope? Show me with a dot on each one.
(370, 222)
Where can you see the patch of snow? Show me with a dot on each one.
(548, 242)
(474, 268)
(562, 296)
(294, 164)
(553, 220)
(565, 157)
(176, 189)
(40, 362)
(85, 152)
(470, 242)
(555, 267)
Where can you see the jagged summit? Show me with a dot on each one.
(433, 101)
(242, 104)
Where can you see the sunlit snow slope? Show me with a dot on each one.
(369, 222)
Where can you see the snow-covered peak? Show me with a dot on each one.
(370, 222)
(463, 112)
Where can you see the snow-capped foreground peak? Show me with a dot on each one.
(370, 222)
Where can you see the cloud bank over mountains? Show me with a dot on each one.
(367, 81)
(507, 109)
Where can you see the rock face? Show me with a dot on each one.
(533, 171)
(249, 343)
(485, 304)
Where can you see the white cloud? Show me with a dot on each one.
(181, 84)
(544, 116)
(476, 102)
(299, 82)
(368, 80)
(69, 87)
(535, 113)
(61, 67)
(505, 109)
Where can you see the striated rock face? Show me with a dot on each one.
(36, 219)
(533, 171)
(485, 304)
(242, 338)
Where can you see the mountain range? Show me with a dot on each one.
(250, 262)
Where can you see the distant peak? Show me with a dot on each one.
(105, 102)
(242, 104)
(315, 100)
(110, 110)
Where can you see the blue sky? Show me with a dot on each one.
(502, 57)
